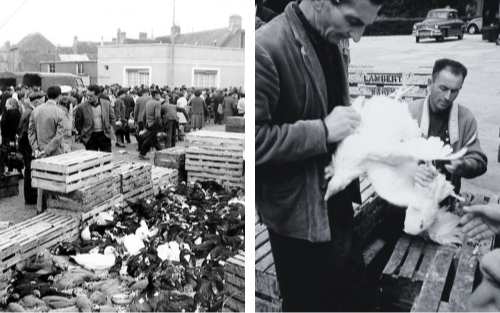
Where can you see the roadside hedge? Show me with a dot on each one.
(391, 26)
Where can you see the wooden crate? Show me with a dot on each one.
(163, 177)
(235, 124)
(370, 82)
(174, 157)
(132, 175)
(234, 277)
(88, 217)
(68, 172)
(216, 156)
(86, 198)
(21, 241)
(367, 219)
(423, 276)
(9, 185)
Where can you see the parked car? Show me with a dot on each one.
(475, 25)
(440, 24)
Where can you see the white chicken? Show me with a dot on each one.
(387, 146)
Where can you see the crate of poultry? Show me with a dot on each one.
(155, 256)
(90, 215)
(68, 172)
(132, 176)
(163, 177)
(424, 276)
(20, 241)
(174, 157)
(235, 124)
(215, 155)
(9, 185)
(234, 276)
(84, 199)
(368, 218)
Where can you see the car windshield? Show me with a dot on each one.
(440, 15)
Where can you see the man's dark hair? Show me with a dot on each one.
(456, 68)
(17, 89)
(197, 92)
(95, 89)
(53, 92)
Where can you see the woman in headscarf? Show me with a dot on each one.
(197, 110)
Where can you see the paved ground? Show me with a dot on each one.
(480, 93)
(14, 209)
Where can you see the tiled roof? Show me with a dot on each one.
(221, 37)
(73, 57)
(34, 48)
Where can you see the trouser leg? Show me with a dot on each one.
(127, 133)
(150, 140)
(30, 193)
(169, 128)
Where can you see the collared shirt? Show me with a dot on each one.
(97, 112)
(438, 127)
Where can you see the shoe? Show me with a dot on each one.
(121, 145)
(143, 157)
(29, 203)
(128, 141)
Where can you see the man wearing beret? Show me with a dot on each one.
(95, 121)
(30, 193)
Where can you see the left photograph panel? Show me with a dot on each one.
(122, 156)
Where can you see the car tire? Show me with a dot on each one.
(472, 29)
(461, 36)
(417, 39)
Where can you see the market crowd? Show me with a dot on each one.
(36, 123)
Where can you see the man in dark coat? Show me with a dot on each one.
(129, 110)
(139, 111)
(152, 124)
(95, 121)
(171, 121)
(301, 112)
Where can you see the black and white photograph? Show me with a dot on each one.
(122, 155)
(377, 156)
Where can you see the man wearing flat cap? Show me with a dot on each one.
(36, 99)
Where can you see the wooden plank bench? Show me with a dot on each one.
(68, 172)
(367, 220)
(21, 241)
(423, 276)
(216, 156)
(234, 277)
(370, 82)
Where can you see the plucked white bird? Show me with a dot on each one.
(388, 145)
(135, 242)
(169, 251)
(97, 261)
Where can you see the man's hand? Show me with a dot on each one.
(425, 175)
(39, 154)
(341, 122)
(119, 123)
(456, 167)
(482, 221)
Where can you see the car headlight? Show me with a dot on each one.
(414, 26)
(436, 27)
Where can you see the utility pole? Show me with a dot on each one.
(172, 36)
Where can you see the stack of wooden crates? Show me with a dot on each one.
(173, 158)
(9, 185)
(216, 156)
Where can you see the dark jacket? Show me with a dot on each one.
(462, 126)
(129, 105)
(169, 112)
(120, 111)
(22, 131)
(291, 150)
(8, 124)
(84, 120)
(140, 108)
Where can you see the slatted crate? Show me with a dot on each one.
(163, 177)
(9, 185)
(68, 172)
(216, 156)
(21, 241)
(132, 176)
(423, 276)
(86, 198)
(234, 277)
(88, 217)
(174, 157)
(370, 82)
(235, 124)
(367, 220)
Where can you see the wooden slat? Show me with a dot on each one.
(408, 269)
(373, 249)
(432, 289)
(398, 254)
(430, 251)
(262, 252)
(464, 279)
(261, 238)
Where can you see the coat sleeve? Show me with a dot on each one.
(280, 143)
(112, 118)
(79, 119)
(476, 161)
(32, 133)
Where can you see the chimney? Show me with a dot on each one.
(175, 31)
(143, 36)
(102, 41)
(75, 46)
(235, 22)
(7, 45)
(242, 41)
(123, 37)
(118, 36)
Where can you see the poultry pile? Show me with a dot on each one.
(388, 146)
(157, 255)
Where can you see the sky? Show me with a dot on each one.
(61, 20)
